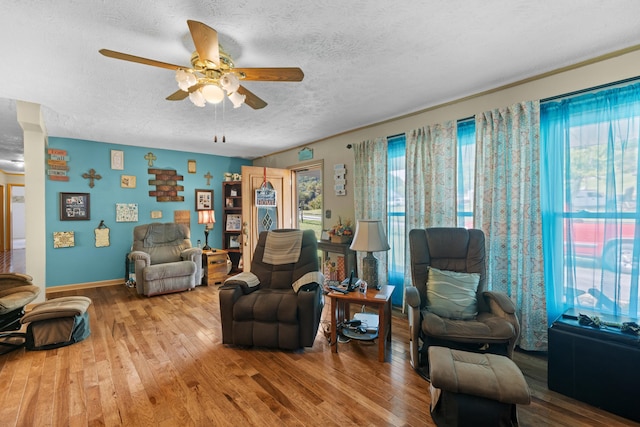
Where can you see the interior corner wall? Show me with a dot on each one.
(84, 263)
(333, 150)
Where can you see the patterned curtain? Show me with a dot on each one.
(431, 177)
(370, 191)
(431, 181)
(507, 208)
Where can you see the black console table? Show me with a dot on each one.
(600, 367)
(350, 263)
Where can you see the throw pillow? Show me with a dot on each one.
(452, 294)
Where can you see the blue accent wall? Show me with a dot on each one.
(84, 262)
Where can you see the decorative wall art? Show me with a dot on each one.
(74, 207)
(91, 176)
(204, 200)
(117, 160)
(191, 166)
(63, 239)
(156, 214)
(339, 173)
(182, 217)
(128, 181)
(166, 183)
(126, 212)
(57, 165)
(102, 235)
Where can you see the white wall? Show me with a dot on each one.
(618, 66)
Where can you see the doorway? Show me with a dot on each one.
(308, 198)
(16, 217)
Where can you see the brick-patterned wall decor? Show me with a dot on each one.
(166, 183)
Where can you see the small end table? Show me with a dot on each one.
(381, 299)
(214, 264)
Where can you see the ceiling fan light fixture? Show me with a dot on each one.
(185, 79)
(212, 93)
(230, 82)
(197, 98)
(237, 99)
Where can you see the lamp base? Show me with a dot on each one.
(206, 246)
(370, 271)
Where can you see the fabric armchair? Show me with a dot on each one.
(279, 302)
(491, 325)
(164, 259)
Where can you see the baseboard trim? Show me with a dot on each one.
(79, 286)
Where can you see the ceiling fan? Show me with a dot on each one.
(212, 72)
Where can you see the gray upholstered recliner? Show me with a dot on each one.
(164, 259)
(279, 302)
(495, 328)
(16, 291)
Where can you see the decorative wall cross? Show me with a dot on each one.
(208, 176)
(150, 158)
(91, 176)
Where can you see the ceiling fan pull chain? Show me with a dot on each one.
(215, 123)
(223, 137)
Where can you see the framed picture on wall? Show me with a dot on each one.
(117, 160)
(204, 200)
(75, 207)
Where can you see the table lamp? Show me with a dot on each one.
(370, 238)
(208, 219)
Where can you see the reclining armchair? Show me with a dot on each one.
(164, 259)
(16, 291)
(447, 304)
(279, 302)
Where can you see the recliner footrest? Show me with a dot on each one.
(57, 323)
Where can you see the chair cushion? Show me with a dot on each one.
(452, 294)
(267, 305)
(486, 327)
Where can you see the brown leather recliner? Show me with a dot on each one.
(277, 304)
(495, 328)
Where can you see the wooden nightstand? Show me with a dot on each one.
(214, 264)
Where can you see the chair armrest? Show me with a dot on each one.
(412, 297)
(500, 300)
(246, 281)
(144, 257)
(192, 254)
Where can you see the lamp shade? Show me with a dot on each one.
(206, 217)
(369, 237)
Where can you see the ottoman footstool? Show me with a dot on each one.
(57, 322)
(472, 389)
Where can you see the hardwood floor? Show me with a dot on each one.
(159, 362)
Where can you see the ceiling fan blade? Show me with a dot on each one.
(205, 40)
(251, 99)
(180, 94)
(291, 74)
(140, 60)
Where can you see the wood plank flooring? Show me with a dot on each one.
(160, 362)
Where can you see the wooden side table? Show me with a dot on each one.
(214, 264)
(373, 298)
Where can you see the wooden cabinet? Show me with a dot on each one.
(214, 264)
(232, 222)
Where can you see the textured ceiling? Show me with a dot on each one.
(364, 62)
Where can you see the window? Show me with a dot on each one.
(466, 171)
(396, 213)
(591, 213)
